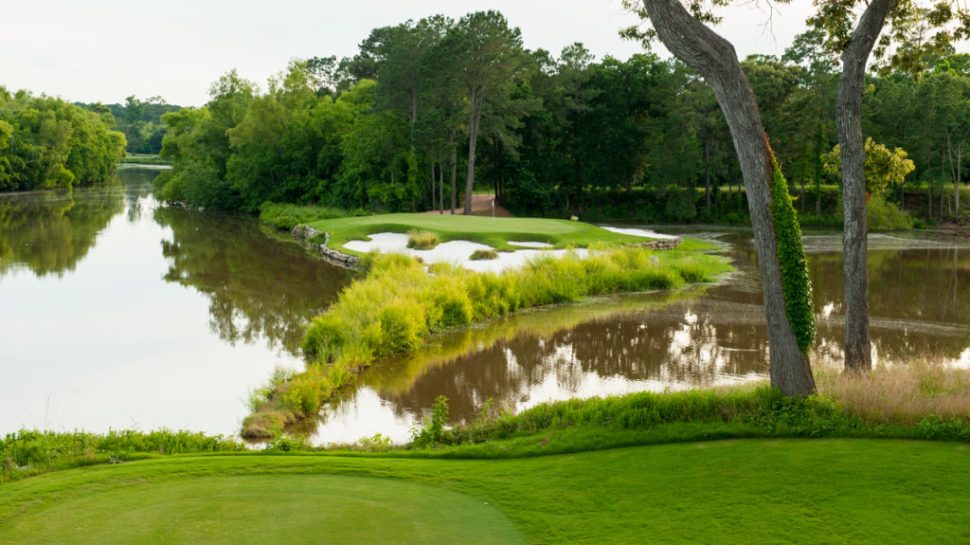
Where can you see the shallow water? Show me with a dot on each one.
(118, 313)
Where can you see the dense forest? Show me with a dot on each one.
(48, 143)
(140, 121)
(427, 109)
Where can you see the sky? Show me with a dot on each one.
(105, 50)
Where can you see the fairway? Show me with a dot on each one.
(750, 491)
(495, 232)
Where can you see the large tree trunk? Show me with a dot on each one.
(858, 354)
(474, 117)
(441, 188)
(715, 59)
(454, 179)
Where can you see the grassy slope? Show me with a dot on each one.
(495, 232)
(764, 491)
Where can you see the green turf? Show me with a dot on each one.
(495, 232)
(751, 491)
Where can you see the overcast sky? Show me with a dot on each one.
(105, 50)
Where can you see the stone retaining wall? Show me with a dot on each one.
(305, 235)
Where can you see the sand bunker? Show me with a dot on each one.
(641, 233)
(456, 251)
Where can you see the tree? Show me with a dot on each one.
(853, 39)
(491, 57)
(884, 168)
(777, 237)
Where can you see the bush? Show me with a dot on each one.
(484, 255)
(886, 216)
(287, 216)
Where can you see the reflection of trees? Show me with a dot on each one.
(138, 185)
(258, 287)
(920, 308)
(50, 232)
(692, 342)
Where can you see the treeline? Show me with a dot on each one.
(140, 121)
(427, 110)
(48, 143)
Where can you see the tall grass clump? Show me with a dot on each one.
(422, 240)
(905, 394)
(399, 305)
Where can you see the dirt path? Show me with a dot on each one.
(481, 206)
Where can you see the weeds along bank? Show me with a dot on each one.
(936, 412)
(398, 306)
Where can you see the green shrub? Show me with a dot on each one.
(422, 240)
(484, 255)
(886, 216)
(791, 257)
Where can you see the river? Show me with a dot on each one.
(116, 312)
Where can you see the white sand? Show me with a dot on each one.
(530, 244)
(641, 233)
(455, 251)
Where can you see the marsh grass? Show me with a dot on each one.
(422, 240)
(483, 255)
(903, 394)
(399, 306)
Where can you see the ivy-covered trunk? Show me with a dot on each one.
(715, 59)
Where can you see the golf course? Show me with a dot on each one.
(739, 491)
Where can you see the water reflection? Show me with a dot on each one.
(116, 313)
(50, 232)
(257, 287)
(697, 339)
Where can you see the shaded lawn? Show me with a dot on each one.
(746, 491)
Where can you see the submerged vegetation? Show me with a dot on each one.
(398, 306)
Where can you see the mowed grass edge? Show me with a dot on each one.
(746, 491)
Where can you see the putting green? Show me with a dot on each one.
(496, 232)
(284, 509)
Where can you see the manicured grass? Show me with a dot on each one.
(750, 491)
(143, 159)
(496, 232)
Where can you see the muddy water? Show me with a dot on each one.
(704, 337)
